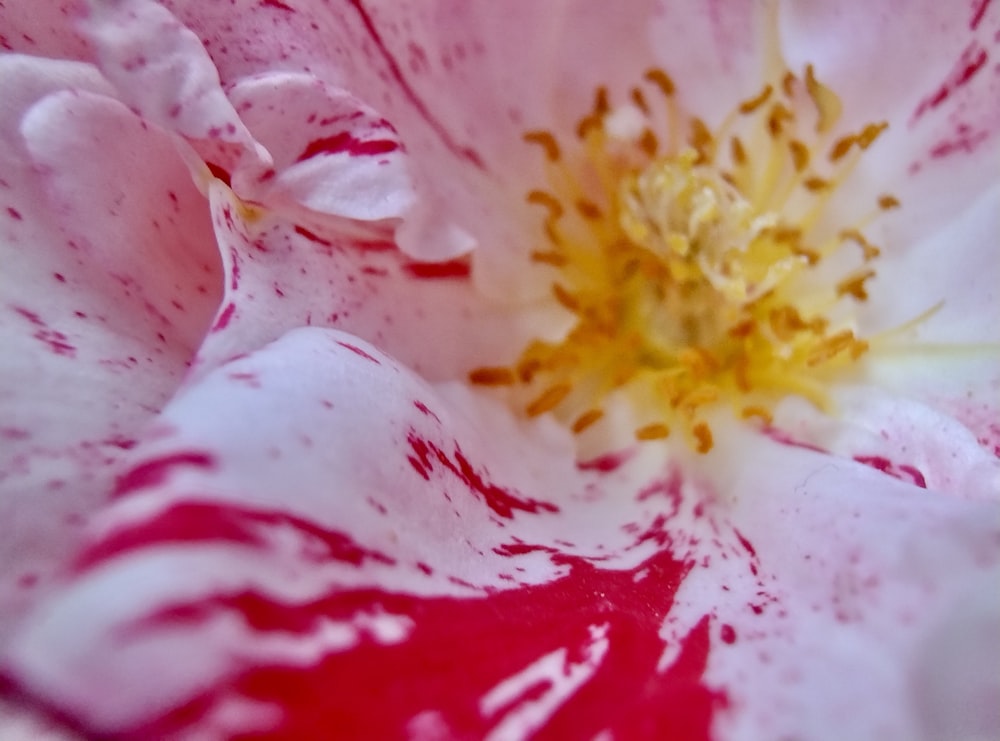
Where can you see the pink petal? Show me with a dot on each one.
(162, 70)
(43, 29)
(282, 275)
(470, 579)
(332, 154)
(107, 290)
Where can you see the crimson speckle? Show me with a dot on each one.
(14, 213)
(605, 463)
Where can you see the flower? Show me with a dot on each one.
(253, 253)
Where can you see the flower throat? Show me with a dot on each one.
(700, 270)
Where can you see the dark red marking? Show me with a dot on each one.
(747, 545)
(156, 471)
(423, 408)
(458, 268)
(30, 316)
(358, 351)
(345, 142)
(605, 463)
(193, 522)
(312, 237)
(14, 213)
(220, 172)
(276, 4)
(972, 60)
(978, 11)
(965, 140)
(780, 436)
(426, 455)
(224, 318)
(234, 258)
(457, 651)
(903, 472)
(728, 634)
(466, 153)
(58, 342)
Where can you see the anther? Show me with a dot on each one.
(854, 285)
(549, 399)
(662, 80)
(546, 140)
(492, 376)
(703, 436)
(655, 431)
(752, 104)
(587, 419)
(549, 201)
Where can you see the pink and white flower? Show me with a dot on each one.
(251, 252)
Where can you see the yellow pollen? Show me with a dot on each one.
(694, 263)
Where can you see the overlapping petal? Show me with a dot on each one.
(321, 532)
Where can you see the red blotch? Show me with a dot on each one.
(345, 142)
(276, 4)
(728, 634)
(156, 471)
(972, 60)
(358, 351)
(458, 651)
(224, 318)
(220, 172)
(458, 268)
(965, 140)
(605, 463)
(14, 213)
(426, 455)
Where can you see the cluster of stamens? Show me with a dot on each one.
(696, 268)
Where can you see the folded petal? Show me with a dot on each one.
(471, 579)
(110, 278)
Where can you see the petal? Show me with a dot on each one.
(43, 29)
(942, 113)
(470, 579)
(100, 307)
(281, 275)
(161, 69)
(332, 154)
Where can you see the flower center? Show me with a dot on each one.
(699, 271)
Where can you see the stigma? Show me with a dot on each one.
(700, 267)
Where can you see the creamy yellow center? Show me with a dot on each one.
(700, 270)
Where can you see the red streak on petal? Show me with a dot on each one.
(224, 318)
(466, 153)
(972, 60)
(426, 455)
(345, 142)
(30, 316)
(978, 11)
(458, 268)
(457, 651)
(155, 472)
(301, 230)
(197, 522)
(358, 351)
(276, 4)
(903, 472)
(745, 543)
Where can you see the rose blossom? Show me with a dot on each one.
(254, 254)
